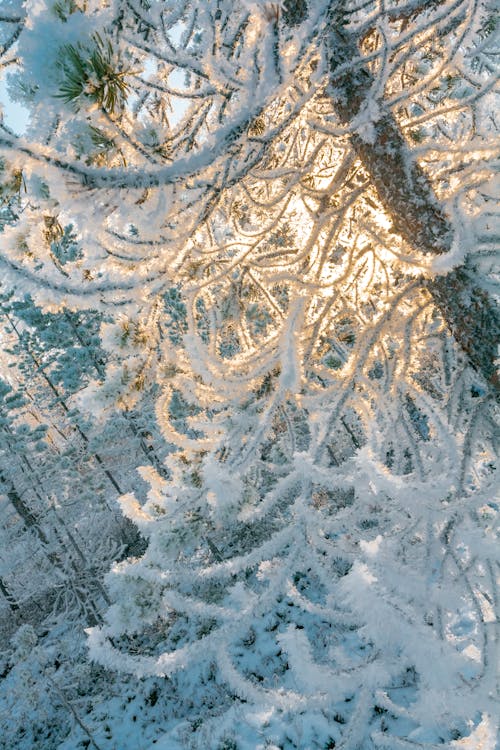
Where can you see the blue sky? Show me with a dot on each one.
(14, 115)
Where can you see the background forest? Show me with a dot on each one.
(248, 382)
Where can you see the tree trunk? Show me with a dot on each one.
(408, 197)
(4, 589)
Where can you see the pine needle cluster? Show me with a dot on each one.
(93, 73)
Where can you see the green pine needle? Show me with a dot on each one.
(92, 73)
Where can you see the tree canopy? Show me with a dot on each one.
(259, 240)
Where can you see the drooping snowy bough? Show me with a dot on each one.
(288, 211)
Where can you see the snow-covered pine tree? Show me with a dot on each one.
(51, 558)
(286, 211)
(60, 526)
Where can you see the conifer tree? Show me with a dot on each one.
(282, 216)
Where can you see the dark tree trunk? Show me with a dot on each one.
(4, 589)
(408, 197)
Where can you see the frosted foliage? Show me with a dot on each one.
(322, 559)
